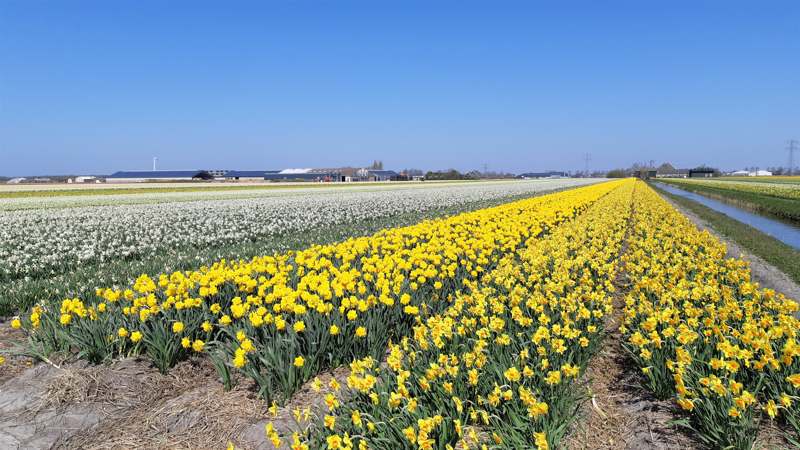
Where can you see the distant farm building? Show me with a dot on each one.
(247, 175)
(382, 175)
(702, 172)
(350, 174)
(676, 173)
(751, 173)
(302, 175)
(344, 174)
(218, 173)
(158, 175)
(83, 179)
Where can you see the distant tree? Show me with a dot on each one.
(666, 168)
(451, 174)
(413, 172)
(714, 169)
(491, 175)
(777, 170)
(376, 165)
(616, 173)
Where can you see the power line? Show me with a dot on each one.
(792, 147)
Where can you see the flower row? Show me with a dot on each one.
(704, 333)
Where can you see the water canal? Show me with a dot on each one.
(784, 232)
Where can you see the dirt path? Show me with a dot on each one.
(764, 273)
(9, 340)
(621, 414)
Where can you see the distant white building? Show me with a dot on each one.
(246, 175)
(158, 175)
(382, 175)
(16, 180)
(751, 173)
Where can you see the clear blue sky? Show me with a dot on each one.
(94, 87)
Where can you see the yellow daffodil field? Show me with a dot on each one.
(704, 334)
(469, 331)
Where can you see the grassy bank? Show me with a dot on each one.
(775, 252)
(780, 208)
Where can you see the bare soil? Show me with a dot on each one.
(129, 404)
(14, 365)
(285, 421)
(621, 414)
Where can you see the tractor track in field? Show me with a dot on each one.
(620, 412)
